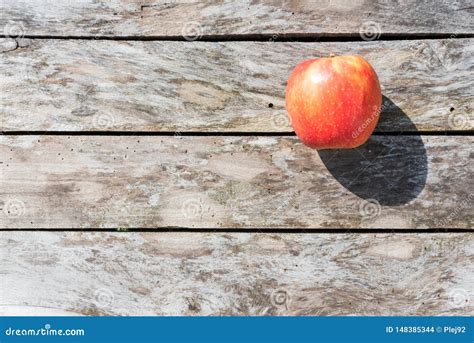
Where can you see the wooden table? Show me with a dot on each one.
(148, 166)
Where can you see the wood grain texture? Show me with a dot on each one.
(193, 18)
(77, 85)
(234, 182)
(68, 273)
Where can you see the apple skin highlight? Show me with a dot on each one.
(334, 102)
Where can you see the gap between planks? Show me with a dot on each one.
(243, 230)
(219, 134)
(273, 37)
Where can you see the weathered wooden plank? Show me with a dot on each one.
(46, 273)
(192, 18)
(205, 86)
(234, 182)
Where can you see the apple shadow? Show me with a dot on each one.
(391, 169)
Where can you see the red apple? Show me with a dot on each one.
(334, 102)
